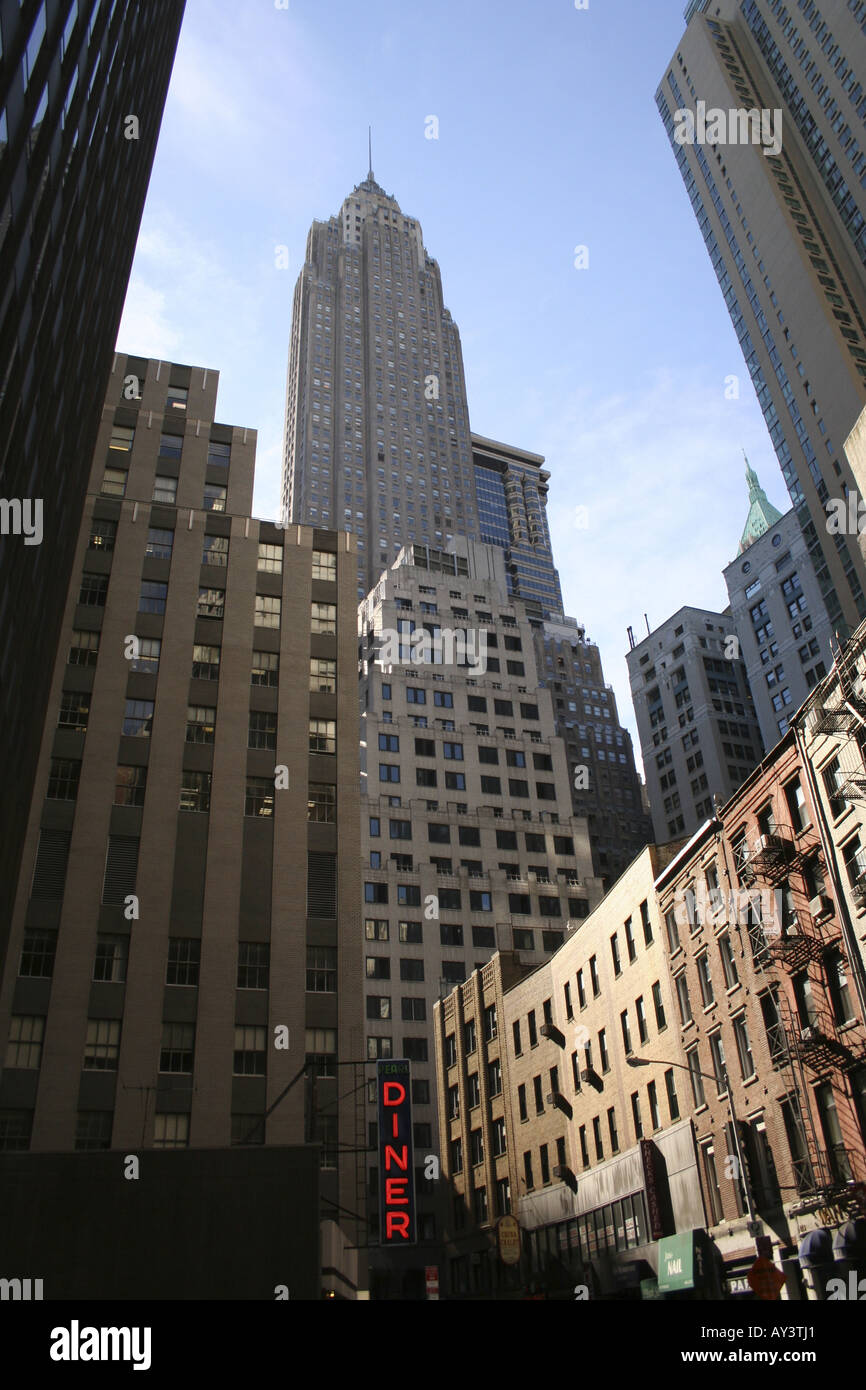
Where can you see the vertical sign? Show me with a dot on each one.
(396, 1169)
(651, 1187)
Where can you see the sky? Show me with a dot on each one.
(617, 371)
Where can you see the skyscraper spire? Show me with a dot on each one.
(762, 513)
(370, 153)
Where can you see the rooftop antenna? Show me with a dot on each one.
(370, 152)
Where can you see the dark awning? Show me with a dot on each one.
(849, 1242)
(816, 1248)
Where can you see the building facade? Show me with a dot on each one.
(605, 786)
(468, 840)
(778, 615)
(778, 196)
(548, 1122)
(696, 721)
(73, 178)
(184, 965)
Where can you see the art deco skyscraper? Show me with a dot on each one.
(377, 426)
(784, 221)
(377, 441)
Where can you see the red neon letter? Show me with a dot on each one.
(397, 1157)
(398, 1220)
(393, 1085)
(393, 1188)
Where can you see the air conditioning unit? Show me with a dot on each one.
(811, 1034)
(820, 907)
(769, 843)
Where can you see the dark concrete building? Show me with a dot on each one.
(82, 89)
(183, 968)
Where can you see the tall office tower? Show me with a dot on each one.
(511, 491)
(82, 89)
(377, 426)
(777, 613)
(779, 199)
(377, 418)
(469, 844)
(699, 733)
(605, 786)
(185, 935)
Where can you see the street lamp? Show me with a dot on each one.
(735, 1129)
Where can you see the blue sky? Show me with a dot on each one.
(548, 139)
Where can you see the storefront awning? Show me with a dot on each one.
(849, 1242)
(816, 1248)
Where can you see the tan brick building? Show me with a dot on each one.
(186, 927)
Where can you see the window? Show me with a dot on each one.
(518, 1046)
(321, 1051)
(631, 946)
(323, 736)
(527, 1171)
(521, 1102)
(453, 751)
(683, 1000)
(411, 934)
(635, 1115)
(744, 1047)
(839, 990)
(626, 1031)
(494, 1077)
(176, 399)
(729, 966)
(323, 618)
(176, 1049)
(270, 560)
(164, 489)
(205, 662)
(170, 1131)
(603, 1052)
(695, 1077)
(171, 445)
(160, 542)
(84, 648)
(581, 990)
(259, 800)
(215, 499)
(93, 1130)
(211, 603)
(597, 1139)
(671, 1089)
(470, 1036)
(646, 923)
(652, 1096)
(253, 965)
(262, 730)
(200, 723)
(322, 969)
(218, 454)
(215, 551)
(37, 954)
(102, 536)
(249, 1052)
(114, 482)
(705, 979)
(138, 718)
(476, 1146)
(102, 1044)
(661, 1021)
(195, 791)
(378, 1006)
(614, 952)
(184, 958)
(717, 1052)
(413, 1010)
(324, 565)
(323, 675)
(63, 778)
(24, 1048)
(268, 609)
(593, 974)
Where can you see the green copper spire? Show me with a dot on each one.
(762, 513)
